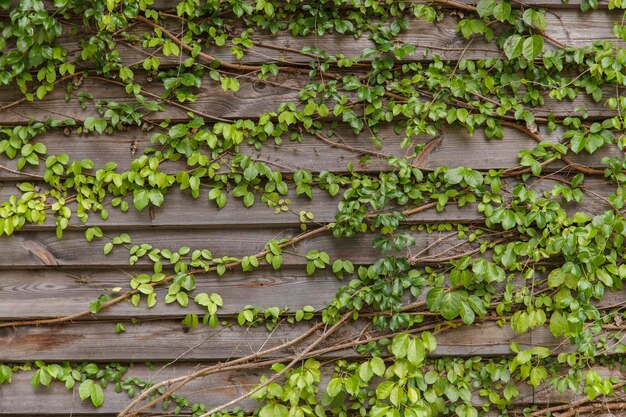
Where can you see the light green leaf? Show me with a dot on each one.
(533, 46)
(451, 305)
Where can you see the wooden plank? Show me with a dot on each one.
(545, 394)
(40, 249)
(22, 399)
(553, 4)
(37, 294)
(205, 214)
(34, 250)
(169, 340)
(55, 293)
(254, 98)
(452, 147)
(569, 26)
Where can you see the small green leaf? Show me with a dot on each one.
(513, 46)
(533, 46)
(141, 198)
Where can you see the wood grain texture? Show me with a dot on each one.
(169, 340)
(254, 98)
(38, 294)
(553, 4)
(55, 293)
(570, 27)
(35, 250)
(41, 249)
(452, 147)
(21, 399)
(202, 213)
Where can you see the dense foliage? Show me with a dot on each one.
(531, 256)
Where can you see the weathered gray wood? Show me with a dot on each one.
(55, 293)
(37, 294)
(34, 250)
(22, 399)
(169, 340)
(452, 147)
(203, 213)
(571, 27)
(553, 4)
(254, 98)
(548, 395)
(42, 249)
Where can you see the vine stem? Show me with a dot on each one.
(23, 99)
(209, 58)
(572, 407)
(207, 371)
(350, 148)
(576, 166)
(245, 363)
(295, 360)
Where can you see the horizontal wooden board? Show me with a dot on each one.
(202, 213)
(55, 293)
(254, 98)
(452, 148)
(169, 340)
(38, 294)
(570, 27)
(556, 4)
(22, 399)
(42, 249)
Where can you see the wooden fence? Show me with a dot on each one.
(42, 277)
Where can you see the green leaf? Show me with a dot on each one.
(451, 305)
(556, 278)
(84, 390)
(467, 314)
(533, 46)
(248, 199)
(513, 46)
(502, 11)
(378, 366)
(429, 340)
(485, 7)
(97, 395)
(416, 352)
(558, 324)
(454, 176)
(141, 198)
(108, 248)
(400, 345)
(334, 387)
(156, 197)
(434, 298)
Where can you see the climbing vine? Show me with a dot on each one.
(527, 253)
